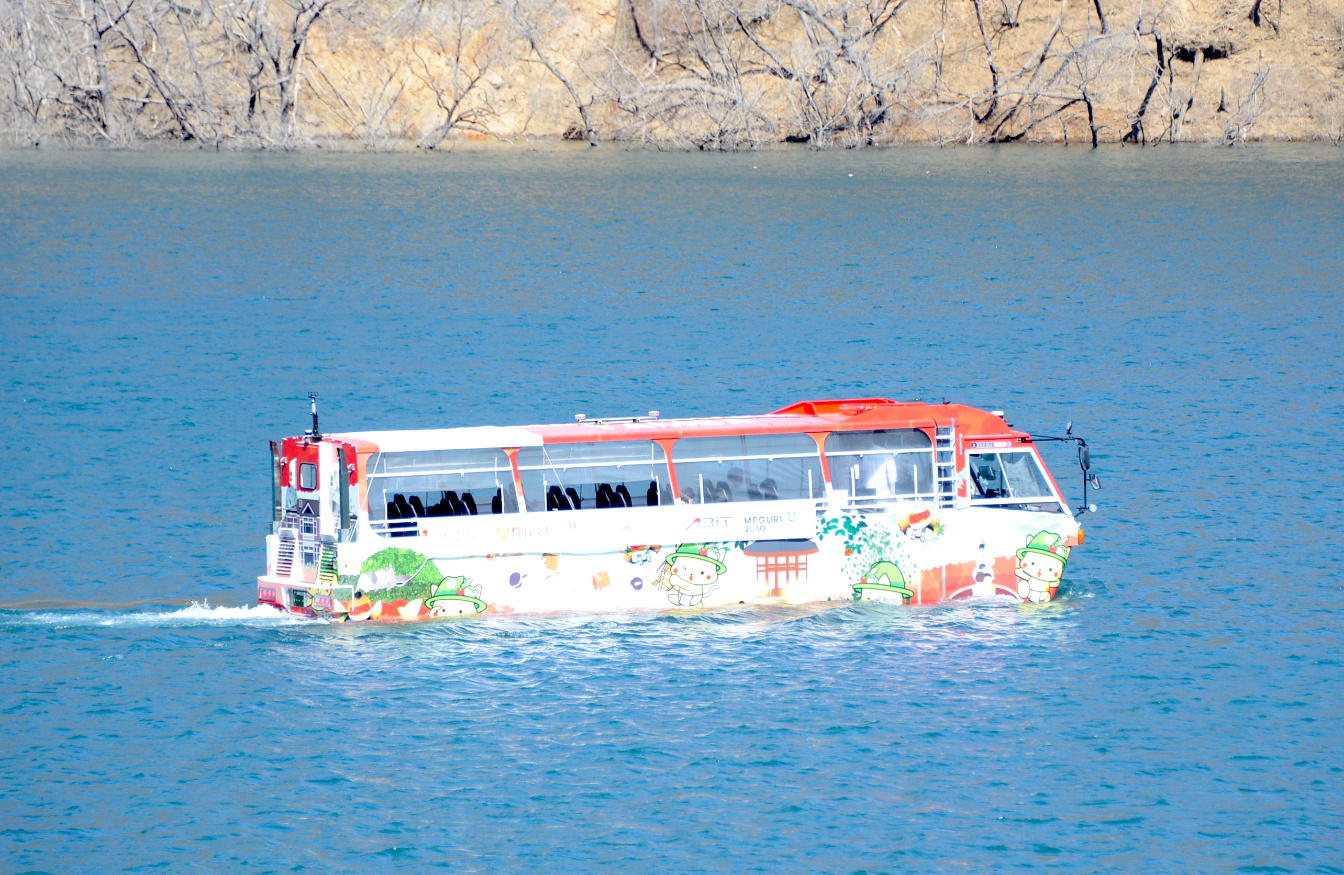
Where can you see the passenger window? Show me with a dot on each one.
(882, 464)
(592, 476)
(764, 467)
(307, 476)
(405, 487)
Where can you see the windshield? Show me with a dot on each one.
(1008, 476)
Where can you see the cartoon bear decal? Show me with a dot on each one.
(454, 596)
(689, 573)
(883, 581)
(1040, 565)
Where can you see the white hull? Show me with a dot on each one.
(702, 556)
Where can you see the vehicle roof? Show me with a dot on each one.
(470, 438)
(854, 414)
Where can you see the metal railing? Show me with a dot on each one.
(881, 503)
(395, 528)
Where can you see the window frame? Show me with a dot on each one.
(376, 470)
(931, 452)
(580, 465)
(817, 453)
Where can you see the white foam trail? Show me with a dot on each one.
(196, 614)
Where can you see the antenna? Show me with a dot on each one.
(316, 433)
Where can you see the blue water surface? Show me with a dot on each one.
(1177, 709)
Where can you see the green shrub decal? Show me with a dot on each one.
(849, 529)
(403, 563)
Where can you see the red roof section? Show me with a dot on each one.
(846, 414)
(854, 414)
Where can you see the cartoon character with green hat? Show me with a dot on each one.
(689, 572)
(883, 581)
(453, 596)
(1040, 565)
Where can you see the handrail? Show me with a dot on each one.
(877, 503)
(438, 472)
(395, 527)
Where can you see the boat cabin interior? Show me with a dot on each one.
(871, 450)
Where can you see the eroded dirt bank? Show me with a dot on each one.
(678, 73)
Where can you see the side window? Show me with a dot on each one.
(882, 464)
(598, 475)
(289, 495)
(760, 467)
(307, 476)
(434, 483)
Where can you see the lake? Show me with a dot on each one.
(1178, 708)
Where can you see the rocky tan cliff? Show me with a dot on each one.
(721, 74)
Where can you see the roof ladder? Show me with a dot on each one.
(945, 447)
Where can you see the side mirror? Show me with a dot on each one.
(1068, 428)
(1096, 482)
(1085, 457)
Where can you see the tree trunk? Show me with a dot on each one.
(573, 92)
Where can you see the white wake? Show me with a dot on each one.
(195, 614)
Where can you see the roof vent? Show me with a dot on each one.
(653, 414)
(579, 417)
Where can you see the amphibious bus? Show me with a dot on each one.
(846, 500)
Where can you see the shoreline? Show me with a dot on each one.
(553, 146)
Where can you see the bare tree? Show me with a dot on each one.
(533, 19)
(1249, 107)
(271, 38)
(455, 46)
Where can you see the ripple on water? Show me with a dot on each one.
(1176, 709)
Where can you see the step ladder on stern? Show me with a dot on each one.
(284, 560)
(326, 566)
